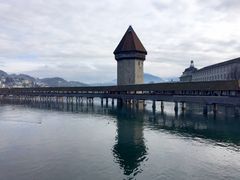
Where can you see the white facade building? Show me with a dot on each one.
(228, 70)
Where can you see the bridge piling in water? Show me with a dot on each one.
(214, 108)
(176, 106)
(183, 106)
(112, 102)
(154, 105)
(119, 102)
(162, 105)
(205, 109)
(106, 102)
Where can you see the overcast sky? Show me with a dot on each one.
(76, 39)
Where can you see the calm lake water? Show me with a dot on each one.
(77, 142)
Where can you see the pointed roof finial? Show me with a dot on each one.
(130, 28)
(192, 63)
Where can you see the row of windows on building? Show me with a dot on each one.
(210, 77)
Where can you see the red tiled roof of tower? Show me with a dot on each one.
(130, 43)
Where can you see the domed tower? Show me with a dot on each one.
(130, 55)
(187, 74)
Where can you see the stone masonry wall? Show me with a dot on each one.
(129, 71)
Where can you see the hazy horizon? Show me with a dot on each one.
(75, 40)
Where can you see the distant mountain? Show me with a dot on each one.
(3, 74)
(76, 84)
(60, 82)
(149, 78)
(22, 77)
(171, 79)
(104, 84)
(24, 80)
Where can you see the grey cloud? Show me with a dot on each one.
(81, 35)
(229, 5)
(84, 73)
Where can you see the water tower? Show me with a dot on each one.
(130, 55)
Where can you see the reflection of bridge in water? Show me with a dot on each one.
(210, 93)
(130, 150)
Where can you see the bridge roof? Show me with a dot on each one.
(232, 61)
(177, 86)
(130, 43)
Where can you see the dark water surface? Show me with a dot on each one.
(71, 142)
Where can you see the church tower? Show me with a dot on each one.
(130, 55)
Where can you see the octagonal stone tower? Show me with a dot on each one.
(130, 55)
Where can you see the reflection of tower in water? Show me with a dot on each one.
(129, 149)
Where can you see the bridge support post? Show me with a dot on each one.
(119, 102)
(154, 105)
(141, 104)
(176, 107)
(112, 102)
(102, 102)
(205, 109)
(135, 103)
(183, 106)
(87, 101)
(92, 101)
(106, 102)
(162, 105)
(127, 102)
(215, 108)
